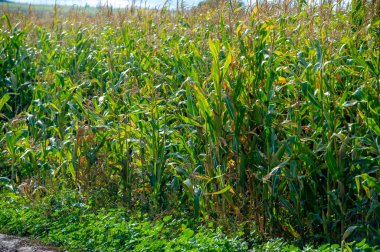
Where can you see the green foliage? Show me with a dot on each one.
(67, 222)
(259, 117)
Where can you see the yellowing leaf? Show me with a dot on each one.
(225, 189)
(254, 11)
(281, 80)
(232, 190)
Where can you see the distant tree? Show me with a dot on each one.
(213, 4)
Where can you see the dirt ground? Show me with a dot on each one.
(10, 243)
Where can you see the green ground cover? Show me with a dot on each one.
(66, 221)
(263, 121)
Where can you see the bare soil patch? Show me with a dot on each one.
(10, 243)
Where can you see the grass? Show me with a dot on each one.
(258, 119)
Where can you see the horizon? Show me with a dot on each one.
(100, 3)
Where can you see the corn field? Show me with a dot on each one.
(265, 116)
